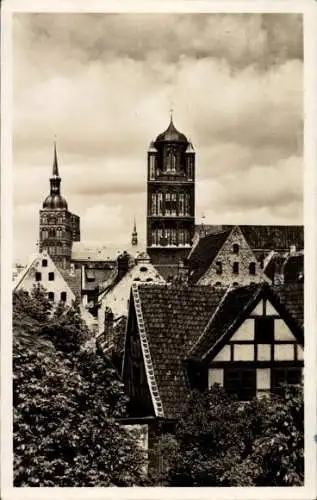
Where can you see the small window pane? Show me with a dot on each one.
(44, 262)
(264, 330)
(51, 295)
(252, 268)
(38, 276)
(235, 268)
(63, 296)
(219, 267)
(235, 248)
(51, 276)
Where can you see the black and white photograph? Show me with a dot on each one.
(157, 277)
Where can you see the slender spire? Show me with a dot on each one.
(134, 239)
(55, 162)
(55, 180)
(171, 115)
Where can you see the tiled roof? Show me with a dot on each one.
(205, 252)
(174, 317)
(237, 302)
(291, 296)
(230, 309)
(264, 237)
(274, 237)
(73, 279)
(294, 267)
(182, 323)
(100, 278)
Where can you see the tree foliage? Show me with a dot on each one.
(66, 397)
(219, 442)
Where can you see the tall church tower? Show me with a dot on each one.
(58, 227)
(170, 198)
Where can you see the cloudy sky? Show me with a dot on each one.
(104, 84)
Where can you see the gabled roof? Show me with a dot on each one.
(264, 237)
(172, 318)
(205, 252)
(33, 262)
(73, 279)
(238, 303)
(178, 323)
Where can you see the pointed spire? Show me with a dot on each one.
(134, 239)
(55, 162)
(171, 115)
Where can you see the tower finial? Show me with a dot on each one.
(55, 163)
(171, 113)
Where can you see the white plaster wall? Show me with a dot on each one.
(57, 286)
(245, 332)
(215, 376)
(117, 298)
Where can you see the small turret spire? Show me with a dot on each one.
(134, 239)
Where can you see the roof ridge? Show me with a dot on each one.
(253, 297)
(147, 358)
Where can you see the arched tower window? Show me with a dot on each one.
(181, 204)
(171, 161)
(152, 167)
(154, 204)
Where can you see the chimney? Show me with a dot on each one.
(123, 264)
(108, 325)
(278, 272)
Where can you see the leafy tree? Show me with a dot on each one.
(66, 396)
(219, 442)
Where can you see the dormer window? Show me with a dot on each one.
(235, 248)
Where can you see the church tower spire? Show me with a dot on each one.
(58, 227)
(55, 180)
(134, 239)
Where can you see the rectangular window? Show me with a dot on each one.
(181, 204)
(51, 295)
(284, 376)
(173, 204)
(174, 236)
(252, 268)
(63, 296)
(154, 204)
(264, 330)
(167, 204)
(44, 263)
(219, 267)
(160, 203)
(51, 276)
(38, 276)
(235, 268)
(187, 204)
(241, 382)
(235, 248)
(152, 167)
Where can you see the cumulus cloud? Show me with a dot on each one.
(105, 83)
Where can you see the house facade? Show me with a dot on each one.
(224, 258)
(43, 271)
(248, 339)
